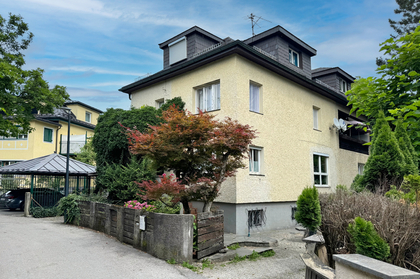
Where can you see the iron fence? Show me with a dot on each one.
(46, 190)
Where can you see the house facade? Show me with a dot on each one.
(267, 82)
(50, 134)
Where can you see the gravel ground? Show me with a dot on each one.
(286, 263)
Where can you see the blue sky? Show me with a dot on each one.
(94, 47)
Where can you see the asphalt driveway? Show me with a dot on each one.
(47, 248)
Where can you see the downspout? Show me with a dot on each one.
(56, 139)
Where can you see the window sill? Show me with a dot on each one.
(209, 111)
(315, 129)
(256, 174)
(322, 186)
(256, 112)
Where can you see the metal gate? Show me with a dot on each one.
(46, 190)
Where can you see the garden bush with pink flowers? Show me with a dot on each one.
(137, 205)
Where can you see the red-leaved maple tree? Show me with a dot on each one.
(202, 151)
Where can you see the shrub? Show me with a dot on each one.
(308, 209)
(70, 208)
(160, 207)
(120, 180)
(42, 212)
(386, 163)
(140, 206)
(367, 240)
(399, 195)
(357, 184)
(397, 223)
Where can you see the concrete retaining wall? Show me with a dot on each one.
(167, 236)
(352, 266)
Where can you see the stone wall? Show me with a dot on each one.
(352, 266)
(167, 236)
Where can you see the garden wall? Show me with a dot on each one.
(166, 236)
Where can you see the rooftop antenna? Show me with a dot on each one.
(254, 21)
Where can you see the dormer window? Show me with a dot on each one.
(88, 117)
(178, 50)
(343, 86)
(294, 57)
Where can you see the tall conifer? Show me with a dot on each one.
(386, 164)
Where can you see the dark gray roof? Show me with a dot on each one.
(53, 164)
(331, 70)
(235, 47)
(60, 114)
(189, 31)
(320, 69)
(280, 30)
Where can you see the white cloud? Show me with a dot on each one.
(100, 99)
(85, 6)
(111, 83)
(94, 70)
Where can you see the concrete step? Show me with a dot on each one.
(241, 252)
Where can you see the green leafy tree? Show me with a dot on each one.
(110, 141)
(120, 179)
(412, 183)
(308, 209)
(385, 165)
(404, 142)
(410, 11)
(202, 151)
(367, 240)
(396, 90)
(22, 91)
(87, 154)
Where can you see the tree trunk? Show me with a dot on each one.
(186, 206)
(207, 206)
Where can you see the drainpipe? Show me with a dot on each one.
(56, 139)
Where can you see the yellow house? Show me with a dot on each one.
(50, 134)
(300, 114)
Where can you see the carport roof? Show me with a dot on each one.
(53, 164)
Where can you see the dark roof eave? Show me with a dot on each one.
(332, 71)
(244, 50)
(282, 31)
(48, 173)
(187, 32)
(64, 119)
(47, 121)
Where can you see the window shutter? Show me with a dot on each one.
(251, 97)
(48, 135)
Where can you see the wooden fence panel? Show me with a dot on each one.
(210, 230)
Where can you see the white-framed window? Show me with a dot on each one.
(255, 97)
(160, 103)
(178, 50)
(255, 160)
(343, 86)
(88, 117)
(315, 111)
(320, 170)
(48, 135)
(208, 97)
(294, 57)
(360, 168)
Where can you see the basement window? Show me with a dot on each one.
(255, 217)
